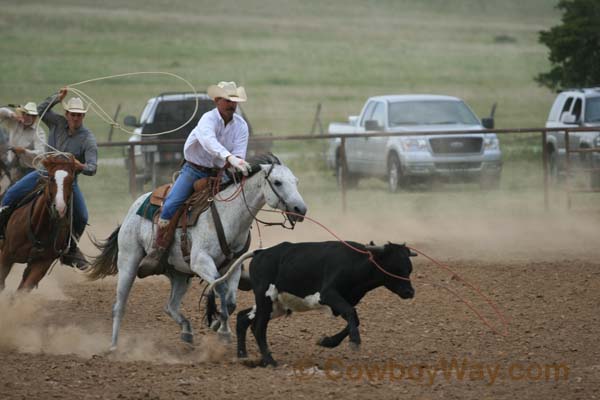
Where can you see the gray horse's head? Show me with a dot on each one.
(281, 190)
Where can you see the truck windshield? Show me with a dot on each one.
(592, 109)
(431, 112)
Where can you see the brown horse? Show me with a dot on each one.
(38, 231)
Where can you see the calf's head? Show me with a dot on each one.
(395, 259)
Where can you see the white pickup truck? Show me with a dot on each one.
(571, 109)
(402, 160)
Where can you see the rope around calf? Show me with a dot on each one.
(439, 264)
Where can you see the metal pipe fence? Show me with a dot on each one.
(343, 137)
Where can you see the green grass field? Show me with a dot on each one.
(290, 56)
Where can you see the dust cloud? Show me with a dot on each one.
(487, 227)
(26, 326)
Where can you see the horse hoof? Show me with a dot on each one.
(187, 337)
(112, 349)
(216, 324)
(242, 354)
(224, 337)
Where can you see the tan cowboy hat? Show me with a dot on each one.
(74, 105)
(29, 108)
(227, 90)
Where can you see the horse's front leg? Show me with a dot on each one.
(204, 266)
(179, 285)
(34, 273)
(5, 267)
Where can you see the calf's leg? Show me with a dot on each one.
(264, 307)
(243, 322)
(335, 340)
(340, 306)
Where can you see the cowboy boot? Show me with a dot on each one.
(152, 264)
(75, 258)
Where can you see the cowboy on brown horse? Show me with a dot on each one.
(39, 230)
(67, 135)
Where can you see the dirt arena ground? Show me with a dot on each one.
(542, 273)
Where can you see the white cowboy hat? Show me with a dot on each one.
(29, 108)
(74, 105)
(227, 90)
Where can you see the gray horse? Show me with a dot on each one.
(269, 182)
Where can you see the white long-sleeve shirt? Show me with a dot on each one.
(211, 141)
(21, 136)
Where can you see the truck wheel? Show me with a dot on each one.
(349, 180)
(394, 175)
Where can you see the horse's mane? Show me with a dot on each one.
(255, 163)
(257, 160)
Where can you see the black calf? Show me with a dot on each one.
(306, 276)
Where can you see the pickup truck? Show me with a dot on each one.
(571, 109)
(402, 160)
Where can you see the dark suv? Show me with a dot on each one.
(165, 112)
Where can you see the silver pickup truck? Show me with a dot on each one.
(402, 160)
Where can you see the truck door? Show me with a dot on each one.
(355, 147)
(374, 147)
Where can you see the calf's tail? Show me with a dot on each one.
(236, 265)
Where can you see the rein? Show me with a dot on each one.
(240, 190)
(39, 244)
(286, 215)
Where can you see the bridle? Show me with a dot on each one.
(281, 200)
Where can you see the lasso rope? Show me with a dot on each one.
(93, 105)
(479, 292)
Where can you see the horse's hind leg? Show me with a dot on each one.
(179, 286)
(33, 274)
(127, 265)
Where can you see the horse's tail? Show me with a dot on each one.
(105, 264)
(237, 264)
(211, 314)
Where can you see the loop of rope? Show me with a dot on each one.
(108, 119)
(104, 116)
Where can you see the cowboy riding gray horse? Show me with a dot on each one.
(269, 181)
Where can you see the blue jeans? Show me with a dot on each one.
(19, 190)
(181, 190)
